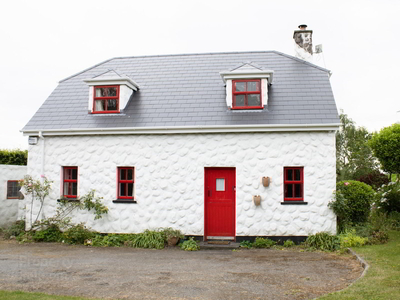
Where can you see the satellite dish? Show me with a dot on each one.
(318, 49)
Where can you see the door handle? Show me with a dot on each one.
(209, 193)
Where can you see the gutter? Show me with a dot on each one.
(184, 129)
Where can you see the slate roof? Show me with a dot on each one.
(187, 90)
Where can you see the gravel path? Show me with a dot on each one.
(127, 273)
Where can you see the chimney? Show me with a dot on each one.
(303, 43)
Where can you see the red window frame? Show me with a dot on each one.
(10, 189)
(293, 182)
(105, 111)
(246, 93)
(69, 182)
(125, 183)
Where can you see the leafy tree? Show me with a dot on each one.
(354, 157)
(13, 157)
(386, 147)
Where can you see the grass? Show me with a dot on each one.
(382, 280)
(6, 295)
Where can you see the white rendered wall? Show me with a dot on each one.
(169, 179)
(10, 209)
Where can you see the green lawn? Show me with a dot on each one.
(383, 277)
(381, 282)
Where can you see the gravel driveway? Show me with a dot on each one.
(127, 273)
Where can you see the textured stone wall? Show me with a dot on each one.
(10, 209)
(169, 179)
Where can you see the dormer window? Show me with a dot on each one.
(106, 99)
(247, 86)
(246, 94)
(110, 93)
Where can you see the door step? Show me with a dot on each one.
(221, 238)
(218, 245)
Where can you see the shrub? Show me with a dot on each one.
(77, 234)
(13, 157)
(388, 197)
(51, 234)
(378, 237)
(190, 245)
(15, 229)
(375, 179)
(288, 243)
(169, 233)
(263, 243)
(246, 244)
(148, 239)
(394, 220)
(351, 239)
(352, 202)
(323, 241)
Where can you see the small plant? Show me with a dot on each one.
(246, 244)
(351, 239)
(170, 233)
(190, 245)
(148, 239)
(50, 234)
(77, 234)
(263, 243)
(378, 237)
(14, 230)
(288, 244)
(323, 241)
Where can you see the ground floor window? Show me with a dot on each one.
(13, 189)
(70, 182)
(293, 179)
(126, 182)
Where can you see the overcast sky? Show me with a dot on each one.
(43, 42)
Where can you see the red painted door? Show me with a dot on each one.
(220, 195)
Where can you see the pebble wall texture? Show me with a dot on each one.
(10, 209)
(169, 179)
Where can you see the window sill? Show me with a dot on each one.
(69, 200)
(126, 201)
(247, 107)
(294, 203)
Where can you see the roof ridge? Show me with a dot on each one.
(303, 61)
(198, 54)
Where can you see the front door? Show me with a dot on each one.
(220, 195)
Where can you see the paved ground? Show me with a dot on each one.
(127, 273)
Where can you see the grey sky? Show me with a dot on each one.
(43, 42)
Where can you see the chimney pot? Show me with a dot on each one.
(303, 27)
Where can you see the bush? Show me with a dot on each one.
(190, 245)
(246, 244)
(351, 239)
(394, 220)
(148, 239)
(352, 202)
(388, 197)
(170, 233)
(263, 243)
(77, 234)
(323, 241)
(378, 237)
(14, 230)
(375, 179)
(288, 243)
(14, 157)
(51, 234)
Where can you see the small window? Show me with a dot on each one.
(106, 99)
(220, 185)
(70, 182)
(126, 182)
(246, 94)
(13, 189)
(293, 184)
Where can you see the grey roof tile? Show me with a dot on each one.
(185, 90)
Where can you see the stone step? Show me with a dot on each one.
(212, 246)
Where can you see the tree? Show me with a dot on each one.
(354, 157)
(386, 147)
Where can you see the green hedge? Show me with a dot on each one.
(13, 157)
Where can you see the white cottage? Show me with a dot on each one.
(218, 145)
